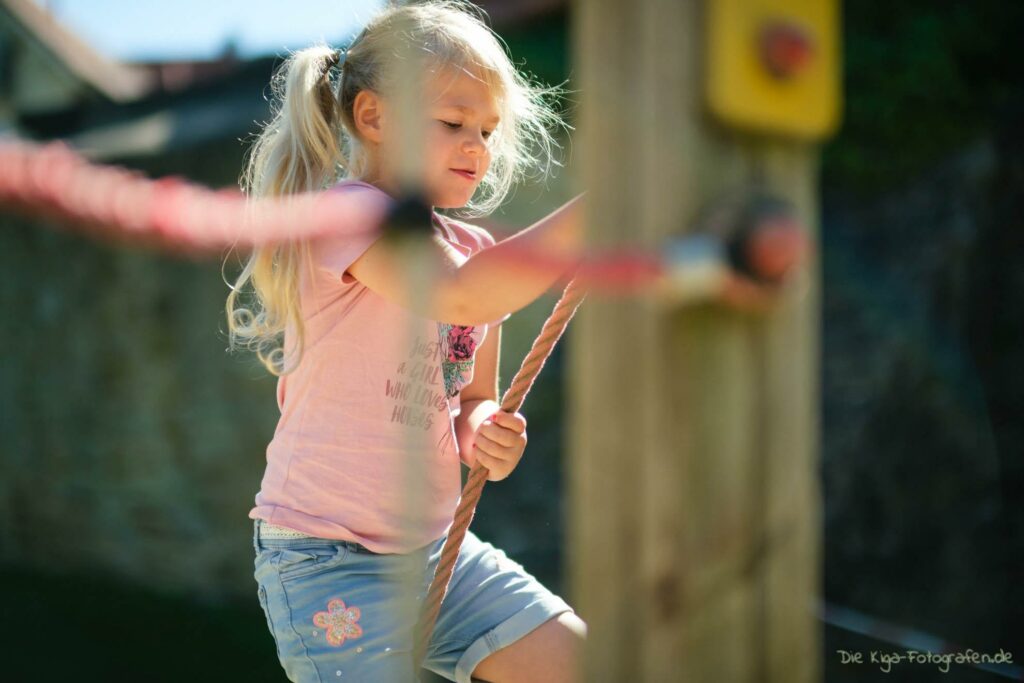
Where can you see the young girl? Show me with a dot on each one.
(333, 543)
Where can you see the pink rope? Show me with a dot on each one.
(177, 216)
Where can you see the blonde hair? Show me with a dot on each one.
(311, 142)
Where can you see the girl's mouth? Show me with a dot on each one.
(468, 175)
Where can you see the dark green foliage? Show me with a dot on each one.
(920, 78)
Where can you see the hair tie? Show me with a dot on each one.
(338, 58)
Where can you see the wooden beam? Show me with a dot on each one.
(695, 509)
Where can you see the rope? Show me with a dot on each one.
(176, 216)
(171, 213)
(512, 400)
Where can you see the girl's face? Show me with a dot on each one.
(461, 116)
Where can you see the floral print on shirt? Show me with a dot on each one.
(457, 347)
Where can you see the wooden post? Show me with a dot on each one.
(695, 505)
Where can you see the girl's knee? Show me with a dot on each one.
(551, 652)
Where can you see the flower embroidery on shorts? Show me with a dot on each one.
(340, 622)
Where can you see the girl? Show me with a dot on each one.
(332, 542)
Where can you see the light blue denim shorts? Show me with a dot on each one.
(337, 613)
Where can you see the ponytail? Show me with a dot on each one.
(298, 151)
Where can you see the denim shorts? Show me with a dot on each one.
(337, 613)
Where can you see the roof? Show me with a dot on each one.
(114, 80)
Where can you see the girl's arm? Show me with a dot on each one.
(478, 400)
(497, 439)
(489, 284)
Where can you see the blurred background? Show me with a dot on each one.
(133, 444)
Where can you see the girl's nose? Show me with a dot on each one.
(474, 143)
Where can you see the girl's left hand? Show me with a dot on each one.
(499, 442)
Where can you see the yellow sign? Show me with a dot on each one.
(773, 65)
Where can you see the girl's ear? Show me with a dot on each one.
(366, 112)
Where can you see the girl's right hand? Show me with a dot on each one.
(499, 444)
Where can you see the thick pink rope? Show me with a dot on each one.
(170, 213)
(177, 216)
(513, 399)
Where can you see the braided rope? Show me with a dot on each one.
(171, 213)
(177, 216)
(512, 400)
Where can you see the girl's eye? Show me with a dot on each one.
(455, 126)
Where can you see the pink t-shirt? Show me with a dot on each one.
(371, 372)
